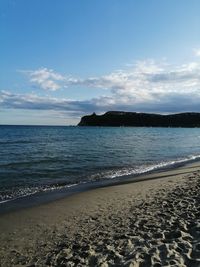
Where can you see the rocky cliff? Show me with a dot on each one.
(120, 118)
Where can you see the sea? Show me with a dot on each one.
(42, 163)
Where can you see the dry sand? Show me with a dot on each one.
(155, 222)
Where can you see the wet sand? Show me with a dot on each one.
(153, 222)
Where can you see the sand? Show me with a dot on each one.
(153, 222)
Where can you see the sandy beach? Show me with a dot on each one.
(152, 222)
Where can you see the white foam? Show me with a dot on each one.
(112, 174)
(25, 192)
(142, 169)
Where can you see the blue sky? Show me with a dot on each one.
(63, 59)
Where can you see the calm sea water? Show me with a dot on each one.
(35, 159)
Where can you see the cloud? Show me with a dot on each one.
(197, 52)
(35, 102)
(144, 79)
(166, 103)
(146, 86)
(141, 81)
(45, 78)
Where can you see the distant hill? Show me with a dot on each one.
(120, 118)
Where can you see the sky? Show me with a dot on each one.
(61, 60)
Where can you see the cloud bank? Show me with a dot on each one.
(145, 86)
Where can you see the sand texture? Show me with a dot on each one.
(149, 223)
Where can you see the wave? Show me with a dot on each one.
(32, 163)
(144, 168)
(28, 191)
(16, 142)
(16, 193)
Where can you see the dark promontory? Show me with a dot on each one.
(120, 118)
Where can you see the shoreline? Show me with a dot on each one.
(151, 222)
(41, 198)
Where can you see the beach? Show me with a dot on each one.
(152, 222)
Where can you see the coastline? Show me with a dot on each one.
(154, 220)
(45, 197)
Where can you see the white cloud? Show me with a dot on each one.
(146, 77)
(45, 78)
(145, 86)
(197, 52)
(147, 81)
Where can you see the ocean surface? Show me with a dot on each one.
(37, 159)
